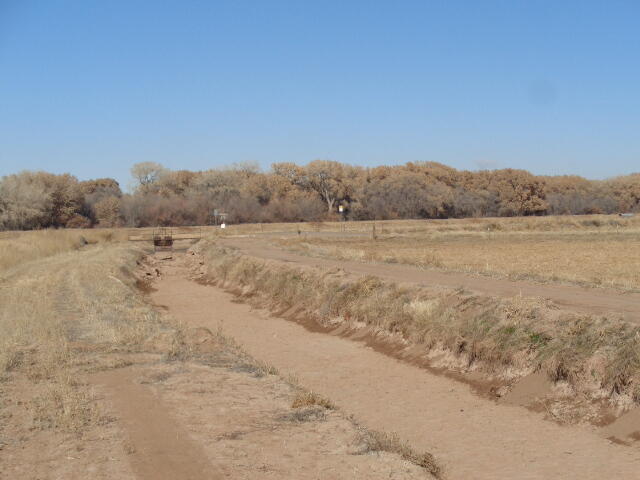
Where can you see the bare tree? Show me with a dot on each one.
(147, 173)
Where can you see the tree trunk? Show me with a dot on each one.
(330, 201)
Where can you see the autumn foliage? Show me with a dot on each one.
(291, 193)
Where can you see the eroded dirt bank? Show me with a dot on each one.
(474, 438)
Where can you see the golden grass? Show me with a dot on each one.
(20, 247)
(375, 441)
(385, 227)
(17, 247)
(309, 399)
(73, 297)
(605, 257)
(59, 310)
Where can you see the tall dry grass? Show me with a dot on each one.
(590, 257)
(21, 247)
(508, 338)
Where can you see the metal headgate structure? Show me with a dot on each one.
(164, 238)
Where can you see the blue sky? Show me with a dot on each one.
(91, 87)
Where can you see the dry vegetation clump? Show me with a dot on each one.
(309, 399)
(518, 249)
(508, 338)
(375, 441)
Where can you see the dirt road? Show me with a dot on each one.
(473, 437)
(574, 298)
(160, 448)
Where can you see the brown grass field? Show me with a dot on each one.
(596, 251)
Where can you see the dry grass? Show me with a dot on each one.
(374, 441)
(21, 247)
(64, 404)
(60, 310)
(508, 338)
(604, 256)
(497, 246)
(309, 399)
(73, 297)
(390, 227)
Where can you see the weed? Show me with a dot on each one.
(299, 415)
(65, 405)
(305, 398)
(374, 441)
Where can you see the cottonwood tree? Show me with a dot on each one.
(40, 200)
(107, 212)
(518, 191)
(404, 195)
(65, 200)
(146, 174)
(291, 172)
(290, 192)
(626, 190)
(23, 203)
(103, 187)
(333, 181)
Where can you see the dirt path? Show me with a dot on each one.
(578, 299)
(474, 438)
(160, 448)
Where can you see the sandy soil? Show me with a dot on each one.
(188, 421)
(574, 298)
(210, 414)
(31, 451)
(158, 445)
(473, 437)
(191, 421)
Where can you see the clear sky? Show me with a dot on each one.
(91, 87)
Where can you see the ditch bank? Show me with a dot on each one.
(518, 351)
(470, 436)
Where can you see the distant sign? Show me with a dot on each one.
(341, 209)
(222, 225)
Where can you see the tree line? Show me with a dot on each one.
(291, 193)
